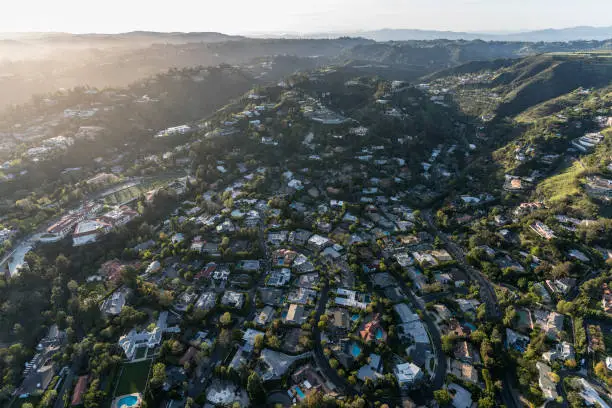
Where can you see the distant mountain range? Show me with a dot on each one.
(548, 35)
(383, 35)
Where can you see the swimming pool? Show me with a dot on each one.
(470, 326)
(355, 350)
(299, 392)
(379, 334)
(355, 317)
(127, 401)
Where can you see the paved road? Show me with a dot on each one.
(487, 291)
(66, 385)
(341, 384)
(434, 333)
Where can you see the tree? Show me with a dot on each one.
(443, 397)
(486, 402)
(509, 316)
(448, 343)
(255, 389)
(225, 319)
(259, 341)
(48, 399)
(562, 270)
(159, 375)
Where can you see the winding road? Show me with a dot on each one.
(487, 293)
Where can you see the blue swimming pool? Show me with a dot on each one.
(470, 326)
(355, 350)
(299, 392)
(379, 334)
(128, 401)
(355, 317)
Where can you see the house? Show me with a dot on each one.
(207, 272)
(463, 351)
(576, 254)
(468, 305)
(443, 312)
(405, 314)
(563, 351)
(516, 341)
(318, 243)
(606, 298)
(331, 252)
(197, 244)
(408, 375)
(221, 273)
(349, 298)
(514, 184)
(135, 340)
(177, 238)
(283, 257)
(153, 267)
(441, 255)
(425, 259)
(295, 314)
(113, 304)
(404, 260)
(233, 299)
(373, 330)
(277, 238)
(464, 371)
(308, 280)
(462, 398)
(415, 331)
(185, 300)
(89, 231)
(302, 296)
(418, 278)
(547, 385)
(119, 216)
(206, 301)
(249, 338)
(301, 264)
(248, 265)
(79, 390)
(189, 355)
(340, 319)
(561, 286)
(543, 230)
(550, 322)
(279, 277)
(373, 370)
(265, 316)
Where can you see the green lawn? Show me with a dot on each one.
(133, 378)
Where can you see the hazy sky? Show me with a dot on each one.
(242, 16)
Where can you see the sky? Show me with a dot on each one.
(299, 16)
